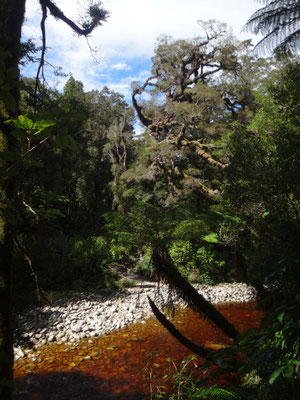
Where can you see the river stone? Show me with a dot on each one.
(76, 328)
(92, 314)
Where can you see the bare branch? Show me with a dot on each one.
(98, 16)
(12, 166)
(40, 293)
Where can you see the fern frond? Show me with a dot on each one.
(215, 393)
(279, 22)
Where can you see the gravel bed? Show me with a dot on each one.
(87, 315)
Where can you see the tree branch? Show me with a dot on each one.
(164, 266)
(98, 15)
(7, 170)
(39, 290)
(42, 60)
(199, 350)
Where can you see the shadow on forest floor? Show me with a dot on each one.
(69, 386)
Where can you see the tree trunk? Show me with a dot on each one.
(164, 267)
(11, 20)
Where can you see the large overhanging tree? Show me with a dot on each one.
(279, 23)
(11, 20)
(197, 88)
(190, 108)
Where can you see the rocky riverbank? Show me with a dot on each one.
(87, 315)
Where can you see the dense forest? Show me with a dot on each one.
(208, 193)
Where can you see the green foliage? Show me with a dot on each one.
(202, 264)
(120, 246)
(144, 266)
(273, 352)
(263, 177)
(66, 262)
(210, 268)
(214, 393)
(90, 255)
(182, 254)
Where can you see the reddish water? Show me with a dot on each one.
(119, 365)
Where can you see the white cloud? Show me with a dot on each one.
(129, 34)
(121, 67)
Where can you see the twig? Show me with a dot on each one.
(39, 290)
(7, 170)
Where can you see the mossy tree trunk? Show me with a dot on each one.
(165, 268)
(11, 20)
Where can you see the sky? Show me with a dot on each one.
(124, 44)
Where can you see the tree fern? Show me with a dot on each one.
(215, 393)
(279, 22)
(219, 393)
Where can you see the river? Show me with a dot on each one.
(124, 364)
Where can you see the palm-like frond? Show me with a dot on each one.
(215, 393)
(221, 393)
(279, 22)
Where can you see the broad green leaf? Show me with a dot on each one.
(26, 123)
(41, 134)
(42, 126)
(211, 238)
(44, 123)
(295, 362)
(62, 140)
(23, 122)
(289, 372)
(275, 375)
(72, 143)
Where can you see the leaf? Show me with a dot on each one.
(211, 238)
(62, 140)
(25, 122)
(289, 372)
(72, 143)
(295, 362)
(275, 375)
(43, 124)
(280, 317)
(41, 134)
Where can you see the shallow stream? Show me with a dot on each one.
(118, 366)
